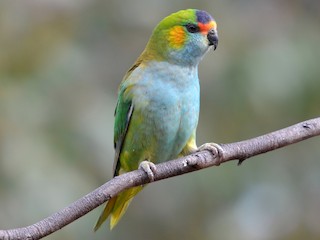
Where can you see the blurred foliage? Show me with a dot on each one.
(60, 65)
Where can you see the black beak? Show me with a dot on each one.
(213, 38)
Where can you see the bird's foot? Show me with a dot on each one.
(149, 168)
(215, 149)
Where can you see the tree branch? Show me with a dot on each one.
(232, 151)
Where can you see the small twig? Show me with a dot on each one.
(233, 151)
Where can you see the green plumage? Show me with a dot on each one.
(158, 102)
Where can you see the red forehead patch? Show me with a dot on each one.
(206, 27)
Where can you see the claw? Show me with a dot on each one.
(149, 168)
(215, 149)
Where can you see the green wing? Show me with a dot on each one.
(123, 113)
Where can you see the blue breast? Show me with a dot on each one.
(168, 97)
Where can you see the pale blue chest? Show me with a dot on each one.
(168, 97)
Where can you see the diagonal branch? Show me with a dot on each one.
(232, 151)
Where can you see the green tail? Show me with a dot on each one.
(117, 206)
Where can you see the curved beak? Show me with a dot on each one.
(213, 38)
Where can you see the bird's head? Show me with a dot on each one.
(183, 37)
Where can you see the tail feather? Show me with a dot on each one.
(121, 205)
(117, 206)
(106, 212)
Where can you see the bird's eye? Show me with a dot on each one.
(192, 28)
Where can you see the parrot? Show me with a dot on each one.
(157, 110)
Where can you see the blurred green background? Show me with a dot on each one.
(60, 65)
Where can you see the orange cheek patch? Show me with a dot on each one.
(206, 27)
(177, 37)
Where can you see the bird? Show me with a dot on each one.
(157, 110)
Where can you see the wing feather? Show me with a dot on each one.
(123, 114)
(122, 120)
